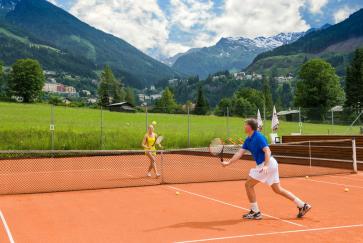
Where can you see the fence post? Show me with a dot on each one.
(101, 128)
(355, 167)
(188, 126)
(146, 118)
(264, 117)
(52, 127)
(227, 118)
(300, 122)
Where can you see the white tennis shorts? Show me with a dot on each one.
(272, 175)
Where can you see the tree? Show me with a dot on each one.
(318, 88)
(130, 95)
(201, 106)
(110, 90)
(273, 84)
(221, 108)
(267, 95)
(26, 79)
(167, 102)
(252, 95)
(242, 107)
(286, 96)
(354, 80)
(2, 83)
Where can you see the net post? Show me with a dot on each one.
(354, 148)
(227, 121)
(101, 128)
(310, 162)
(188, 127)
(52, 127)
(162, 166)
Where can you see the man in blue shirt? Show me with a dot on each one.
(266, 171)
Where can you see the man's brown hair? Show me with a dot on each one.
(252, 123)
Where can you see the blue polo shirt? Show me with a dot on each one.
(255, 144)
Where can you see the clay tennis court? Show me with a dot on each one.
(136, 208)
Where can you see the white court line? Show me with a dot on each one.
(274, 233)
(331, 183)
(345, 177)
(232, 205)
(10, 236)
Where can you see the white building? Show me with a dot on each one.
(218, 77)
(155, 96)
(283, 79)
(86, 92)
(173, 81)
(239, 75)
(59, 88)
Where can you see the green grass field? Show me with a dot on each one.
(26, 126)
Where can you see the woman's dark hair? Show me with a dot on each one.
(252, 123)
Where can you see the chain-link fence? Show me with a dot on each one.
(45, 126)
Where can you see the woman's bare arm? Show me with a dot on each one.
(143, 143)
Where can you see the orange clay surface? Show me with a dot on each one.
(204, 212)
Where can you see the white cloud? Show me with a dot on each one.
(315, 6)
(259, 17)
(141, 23)
(190, 13)
(343, 13)
(190, 23)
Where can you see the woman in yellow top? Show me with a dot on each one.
(148, 143)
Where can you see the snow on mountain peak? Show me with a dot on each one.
(8, 5)
(263, 42)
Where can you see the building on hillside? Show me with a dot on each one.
(283, 79)
(214, 78)
(49, 73)
(122, 107)
(92, 101)
(257, 76)
(53, 87)
(173, 81)
(70, 90)
(86, 92)
(50, 87)
(143, 97)
(152, 88)
(239, 75)
(155, 96)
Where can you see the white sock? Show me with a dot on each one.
(298, 202)
(254, 207)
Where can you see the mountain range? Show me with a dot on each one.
(228, 54)
(333, 43)
(61, 42)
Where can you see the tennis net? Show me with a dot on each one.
(52, 171)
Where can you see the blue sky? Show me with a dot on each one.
(163, 28)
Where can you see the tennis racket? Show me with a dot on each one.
(216, 148)
(158, 140)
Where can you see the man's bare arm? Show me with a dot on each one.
(267, 151)
(235, 157)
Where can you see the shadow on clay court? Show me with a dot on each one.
(210, 225)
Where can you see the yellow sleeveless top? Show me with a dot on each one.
(150, 141)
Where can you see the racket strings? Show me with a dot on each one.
(216, 146)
